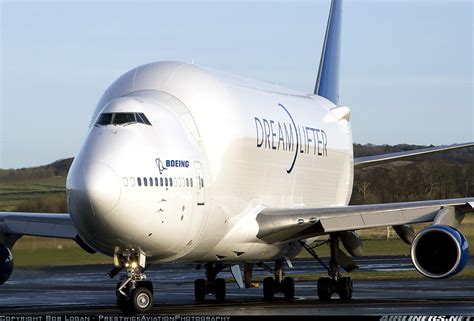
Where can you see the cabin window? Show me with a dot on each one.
(145, 182)
(156, 181)
(125, 181)
(132, 181)
(187, 182)
(166, 181)
(161, 181)
(151, 181)
(139, 181)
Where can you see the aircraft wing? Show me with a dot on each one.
(385, 158)
(37, 224)
(278, 225)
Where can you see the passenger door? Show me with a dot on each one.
(199, 183)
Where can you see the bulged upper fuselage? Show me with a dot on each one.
(187, 182)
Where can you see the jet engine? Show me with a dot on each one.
(439, 251)
(6, 263)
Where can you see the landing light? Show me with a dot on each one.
(134, 265)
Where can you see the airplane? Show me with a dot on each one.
(187, 164)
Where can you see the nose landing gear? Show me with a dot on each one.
(134, 293)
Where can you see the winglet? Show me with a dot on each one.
(327, 83)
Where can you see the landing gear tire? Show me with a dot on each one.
(220, 290)
(325, 288)
(141, 299)
(268, 288)
(200, 290)
(289, 288)
(344, 288)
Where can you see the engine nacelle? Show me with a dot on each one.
(439, 251)
(6, 263)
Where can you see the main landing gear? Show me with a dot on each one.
(211, 285)
(134, 293)
(335, 283)
(278, 284)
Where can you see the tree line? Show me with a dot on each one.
(440, 176)
(57, 168)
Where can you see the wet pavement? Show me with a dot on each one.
(88, 290)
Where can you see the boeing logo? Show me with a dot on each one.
(159, 164)
(170, 163)
(177, 163)
(277, 135)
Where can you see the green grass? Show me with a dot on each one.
(36, 251)
(57, 257)
(49, 184)
(13, 193)
(467, 273)
(372, 247)
(360, 275)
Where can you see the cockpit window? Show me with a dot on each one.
(105, 119)
(123, 118)
(141, 118)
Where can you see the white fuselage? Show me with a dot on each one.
(219, 149)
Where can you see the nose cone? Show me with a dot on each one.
(94, 190)
(102, 186)
(95, 185)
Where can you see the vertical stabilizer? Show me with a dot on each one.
(327, 83)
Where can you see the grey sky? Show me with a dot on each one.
(407, 66)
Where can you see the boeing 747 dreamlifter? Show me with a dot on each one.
(187, 164)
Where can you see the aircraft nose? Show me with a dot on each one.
(94, 191)
(102, 185)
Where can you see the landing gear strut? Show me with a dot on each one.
(134, 293)
(335, 283)
(211, 285)
(278, 284)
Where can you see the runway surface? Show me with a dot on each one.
(87, 290)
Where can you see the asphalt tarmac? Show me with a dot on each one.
(87, 290)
